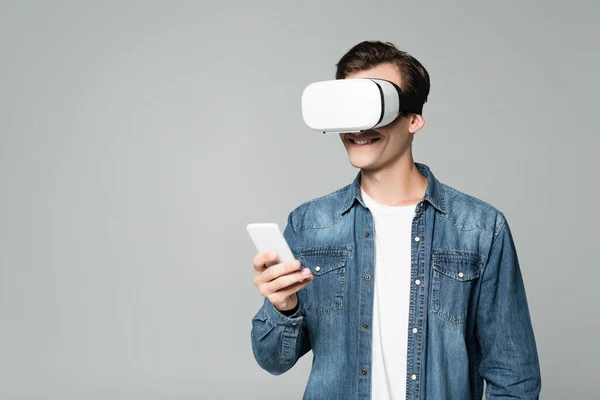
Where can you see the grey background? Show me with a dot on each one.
(137, 140)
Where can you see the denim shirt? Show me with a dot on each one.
(468, 320)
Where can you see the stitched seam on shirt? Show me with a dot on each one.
(501, 226)
(467, 228)
(330, 224)
(288, 346)
(483, 271)
(460, 193)
(338, 192)
(492, 244)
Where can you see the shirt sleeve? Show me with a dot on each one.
(509, 363)
(279, 340)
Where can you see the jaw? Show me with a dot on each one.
(364, 157)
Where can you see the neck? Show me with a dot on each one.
(397, 184)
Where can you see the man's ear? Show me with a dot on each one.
(416, 122)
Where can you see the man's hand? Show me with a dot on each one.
(280, 282)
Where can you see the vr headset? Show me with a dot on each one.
(355, 105)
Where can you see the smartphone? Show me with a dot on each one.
(268, 237)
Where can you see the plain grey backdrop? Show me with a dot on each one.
(137, 140)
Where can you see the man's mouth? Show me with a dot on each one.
(362, 142)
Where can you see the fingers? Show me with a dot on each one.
(286, 281)
(280, 280)
(280, 269)
(282, 294)
(261, 259)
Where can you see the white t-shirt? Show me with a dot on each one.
(392, 230)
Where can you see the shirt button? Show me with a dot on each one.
(367, 234)
(460, 274)
(317, 268)
(365, 326)
(367, 276)
(417, 239)
(417, 282)
(415, 330)
(413, 377)
(363, 372)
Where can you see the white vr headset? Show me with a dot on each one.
(355, 105)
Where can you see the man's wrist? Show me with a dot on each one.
(292, 311)
(284, 318)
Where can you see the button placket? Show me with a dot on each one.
(367, 273)
(415, 340)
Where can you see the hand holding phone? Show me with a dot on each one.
(282, 278)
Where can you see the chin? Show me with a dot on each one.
(362, 163)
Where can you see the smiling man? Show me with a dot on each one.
(403, 287)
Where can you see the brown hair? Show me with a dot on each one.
(369, 54)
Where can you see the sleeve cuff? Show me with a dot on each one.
(281, 319)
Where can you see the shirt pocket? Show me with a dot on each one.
(326, 293)
(455, 273)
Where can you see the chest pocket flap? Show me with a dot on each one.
(461, 265)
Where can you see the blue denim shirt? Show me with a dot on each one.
(468, 318)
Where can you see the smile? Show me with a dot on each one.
(363, 142)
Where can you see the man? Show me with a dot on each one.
(410, 289)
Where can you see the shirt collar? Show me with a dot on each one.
(434, 194)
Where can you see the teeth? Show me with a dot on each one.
(363, 141)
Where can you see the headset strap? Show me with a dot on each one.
(410, 103)
(407, 102)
